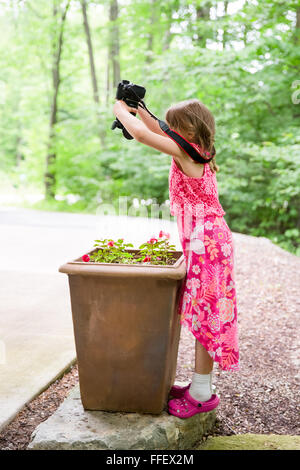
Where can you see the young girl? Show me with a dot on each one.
(208, 305)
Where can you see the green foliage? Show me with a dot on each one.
(265, 200)
(111, 251)
(242, 65)
(155, 251)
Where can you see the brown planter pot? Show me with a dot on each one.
(127, 331)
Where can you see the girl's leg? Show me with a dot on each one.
(201, 386)
(203, 362)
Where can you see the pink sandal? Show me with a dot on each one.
(187, 406)
(177, 391)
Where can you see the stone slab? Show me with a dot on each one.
(73, 428)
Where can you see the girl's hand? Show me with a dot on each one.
(120, 104)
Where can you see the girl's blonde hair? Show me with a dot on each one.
(193, 116)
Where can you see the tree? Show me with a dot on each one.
(153, 20)
(57, 45)
(114, 45)
(297, 29)
(225, 38)
(92, 68)
(202, 15)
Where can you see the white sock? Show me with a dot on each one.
(201, 387)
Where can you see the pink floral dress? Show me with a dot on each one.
(208, 304)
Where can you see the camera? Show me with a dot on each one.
(131, 94)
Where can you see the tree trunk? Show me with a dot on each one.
(202, 15)
(199, 34)
(246, 28)
(296, 114)
(107, 80)
(167, 38)
(92, 68)
(19, 154)
(225, 38)
(50, 174)
(153, 19)
(114, 47)
(297, 29)
(90, 50)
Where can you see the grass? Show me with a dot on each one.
(252, 442)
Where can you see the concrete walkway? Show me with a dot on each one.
(36, 332)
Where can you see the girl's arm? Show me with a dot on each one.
(142, 134)
(149, 121)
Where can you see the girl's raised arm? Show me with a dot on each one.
(142, 134)
(150, 122)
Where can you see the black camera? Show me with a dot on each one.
(131, 94)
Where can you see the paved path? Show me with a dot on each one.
(36, 332)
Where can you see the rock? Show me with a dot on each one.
(72, 427)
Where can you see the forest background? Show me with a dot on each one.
(61, 62)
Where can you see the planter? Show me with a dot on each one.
(127, 331)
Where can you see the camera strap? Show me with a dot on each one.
(181, 141)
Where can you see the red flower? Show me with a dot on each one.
(86, 258)
(152, 240)
(111, 243)
(163, 234)
(147, 258)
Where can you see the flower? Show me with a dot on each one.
(111, 243)
(208, 225)
(152, 241)
(147, 258)
(220, 234)
(213, 322)
(196, 269)
(226, 249)
(164, 234)
(226, 309)
(195, 323)
(86, 258)
(193, 284)
(219, 352)
(186, 299)
(230, 286)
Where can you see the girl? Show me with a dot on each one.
(208, 305)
